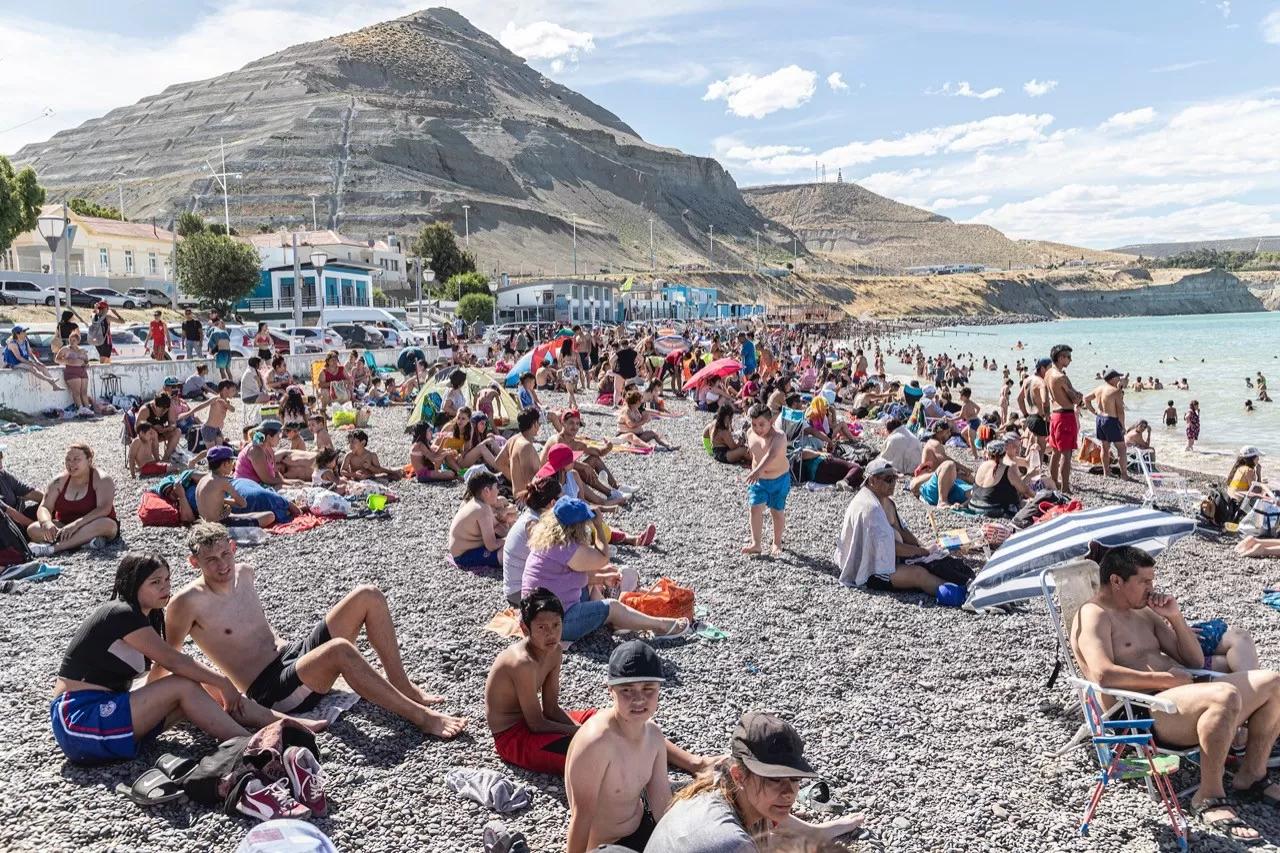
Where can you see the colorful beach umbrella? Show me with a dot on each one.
(1013, 572)
(539, 355)
(668, 344)
(719, 367)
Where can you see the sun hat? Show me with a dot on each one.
(572, 511)
(880, 466)
(559, 458)
(769, 747)
(1250, 450)
(220, 453)
(634, 661)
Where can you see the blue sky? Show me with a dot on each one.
(1091, 123)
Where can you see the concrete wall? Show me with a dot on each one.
(21, 391)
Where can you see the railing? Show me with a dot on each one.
(309, 300)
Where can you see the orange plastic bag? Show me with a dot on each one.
(665, 599)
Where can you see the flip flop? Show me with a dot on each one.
(707, 631)
(1225, 824)
(175, 767)
(151, 789)
(646, 538)
(816, 797)
(673, 633)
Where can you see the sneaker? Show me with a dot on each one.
(499, 839)
(270, 802)
(306, 779)
(40, 549)
(97, 543)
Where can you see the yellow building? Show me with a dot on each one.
(102, 248)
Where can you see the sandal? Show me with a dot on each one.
(175, 767)
(677, 631)
(1225, 825)
(151, 789)
(1256, 793)
(816, 797)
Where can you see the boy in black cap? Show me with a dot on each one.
(617, 762)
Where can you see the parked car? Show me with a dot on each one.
(81, 299)
(393, 338)
(357, 336)
(26, 293)
(242, 341)
(115, 298)
(123, 344)
(316, 338)
(150, 296)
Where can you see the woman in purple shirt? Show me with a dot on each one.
(569, 555)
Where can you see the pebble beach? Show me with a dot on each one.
(932, 721)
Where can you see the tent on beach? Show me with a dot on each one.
(430, 399)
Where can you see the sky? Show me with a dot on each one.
(1090, 123)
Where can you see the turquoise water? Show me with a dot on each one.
(1213, 352)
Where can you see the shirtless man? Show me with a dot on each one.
(522, 696)
(768, 481)
(1033, 402)
(941, 481)
(518, 458)
(474, 538)
(616, 756)
(591, 466)
(1107, 403)
(1064, 426)
(216, 498)
(1129, 637)
(221, 611)
(361, 463)
(969, 414)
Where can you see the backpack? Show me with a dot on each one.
(221, 776)
(1219, 508)
(155, 511)
(97, 331)
(14, 550)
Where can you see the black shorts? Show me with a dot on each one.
(1038, 425)
(640, 838)
(278, 686)
(104, 350)
(720, 454)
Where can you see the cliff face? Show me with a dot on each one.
(400, 124)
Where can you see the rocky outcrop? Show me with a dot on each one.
(400, 124)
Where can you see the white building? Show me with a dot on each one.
(558, 301)
(390, 263)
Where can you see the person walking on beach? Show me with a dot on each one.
(1064, 426)
(769, 481)
(1107, 404)
(1171, 415)
(1192, 417)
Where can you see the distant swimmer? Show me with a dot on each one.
(1248, 407)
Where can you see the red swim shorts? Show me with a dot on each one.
(1064, 431)
(152, 469)
(540, 752)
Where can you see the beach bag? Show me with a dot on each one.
(14, 550)
(97, 331)
(1262, 521)
(665, 599)
(1050, 512)
(1219, 508)
(221, 776)
(605, 399)
(155, 511)
(1036, 507)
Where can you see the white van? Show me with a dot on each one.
(369, 317)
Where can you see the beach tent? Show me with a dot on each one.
(1013, 573)
(431, 397)
(539, 355)
(719, 367)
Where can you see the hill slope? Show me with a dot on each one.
(398, 124)
(1237, 244)
(851, 223)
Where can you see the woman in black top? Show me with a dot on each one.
(96, 717)
(66, 325)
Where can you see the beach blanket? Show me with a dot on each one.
(298, 525)
(506, 623)
(865, 546)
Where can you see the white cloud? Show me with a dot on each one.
(1129, 120)
(1181, 66)
(963, 90)
(730, 148)
(949, 203)
(1035, 88)
(1271, 27)
(1224, 7)
(836, 81)
(545, 40)
(749, 96)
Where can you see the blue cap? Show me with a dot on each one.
(572, 511)
(1043, 362)
(17, 329)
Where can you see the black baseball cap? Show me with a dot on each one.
(632, 662)
(770, 747)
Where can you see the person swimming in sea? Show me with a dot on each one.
(1248, 407)
(1171, 415)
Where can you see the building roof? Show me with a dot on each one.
(95, 225)
(328, 237)
(359, 266)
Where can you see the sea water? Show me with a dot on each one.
(1214, 353)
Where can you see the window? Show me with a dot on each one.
(577, 292)
(128, 262)
(104, 260)
(152, 263)
(395, 266)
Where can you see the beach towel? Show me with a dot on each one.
(489, 788)
(298, 525)
(865, 546)
(261, 499)
(506, 623)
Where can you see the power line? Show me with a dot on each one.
(48, 111)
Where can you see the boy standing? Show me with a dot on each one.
(618, 755)
(769, 481)
(211, 433)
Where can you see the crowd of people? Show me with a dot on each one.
(537, 493)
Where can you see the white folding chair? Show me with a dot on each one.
(1173, 488)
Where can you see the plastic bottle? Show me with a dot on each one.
(247, 535)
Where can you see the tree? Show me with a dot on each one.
(460, 285)
(21, 198)
(476, 306)
(188, 224)
(219, 228)
(218, 271)
(438, 242)
(84, 207)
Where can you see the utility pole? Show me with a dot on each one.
(575, 245)
(221, 177)
(66, 253)
(299, 286)
(651, 267)
(120, 185)
(757, 251)
(314, 225)
(711, 248)
(795, 249)
(466, 219)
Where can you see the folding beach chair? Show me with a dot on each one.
(1171, 488)
(1074, 583)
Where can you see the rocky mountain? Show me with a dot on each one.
(854, 225)
(400, 124)
(1236, 244)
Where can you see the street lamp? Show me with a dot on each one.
(466, 220)
(52, 228)
(318, 260)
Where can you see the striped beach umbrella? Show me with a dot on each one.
(1013, 572)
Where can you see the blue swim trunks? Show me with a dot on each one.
(1108, 428)
(1209, 634)
(958, 494)
(94, 726)
(772, 493)
(479, 558)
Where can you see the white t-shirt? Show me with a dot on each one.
(515, 551)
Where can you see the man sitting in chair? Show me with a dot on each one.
(1129, 637)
